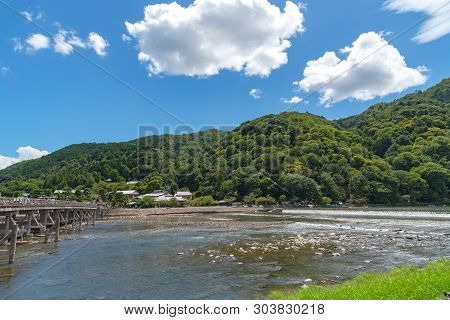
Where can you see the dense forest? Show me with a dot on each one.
(392, 153)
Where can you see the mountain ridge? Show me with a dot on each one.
(390, 153)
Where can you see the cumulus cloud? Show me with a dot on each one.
(63, 42)
(27, 15)
(30, 153)
(212, 35)
(98, 43)
(293, 100)
(7, 161)
(4, 70)
(372, 68)
(31, 16)
(126, 38)
(18, 45)
(256, 93)
(37, 42)
(23, 153)
(438, 11)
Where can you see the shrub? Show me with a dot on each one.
(203, 201)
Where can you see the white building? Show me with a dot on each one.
(185, 195)
(155, 194)
(131, 194)
(164, 198)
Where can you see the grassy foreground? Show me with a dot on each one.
(406, 283)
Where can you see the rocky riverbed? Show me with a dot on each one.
(220, 255)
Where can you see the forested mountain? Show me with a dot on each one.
(394, 152)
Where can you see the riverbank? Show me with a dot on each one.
(136, 213)
(194, 217)
(231, 255)
(407, 283)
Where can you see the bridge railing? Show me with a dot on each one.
(27, 202)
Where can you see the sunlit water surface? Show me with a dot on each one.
(142, 261)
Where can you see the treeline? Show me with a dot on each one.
(392, 153)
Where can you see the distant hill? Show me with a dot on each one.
(391, 153)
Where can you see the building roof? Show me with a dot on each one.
(164, 198)
(132, 182)
(129, 192)
(155, 195)
(183, 193)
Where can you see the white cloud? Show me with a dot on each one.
(126, 38)
(39, 15)
(66, 40)
(211, 35)
(76, 41)
(293, 100)
(30, 16)
(37, 42)
(256, 93)
(7, 161)
(97, 43)
(3, 70)
(23, 153)
(63, 42)
(438, 11)
(29, 153)
(18, 45)
(372, 68)
(27, 15)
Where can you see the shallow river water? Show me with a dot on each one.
(222, 256)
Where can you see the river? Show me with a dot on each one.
(223, 255)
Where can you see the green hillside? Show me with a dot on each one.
(392, 153)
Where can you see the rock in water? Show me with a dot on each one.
(336, 254)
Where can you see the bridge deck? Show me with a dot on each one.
(4, 210)
(43, 220)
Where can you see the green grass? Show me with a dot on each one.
(406, 283)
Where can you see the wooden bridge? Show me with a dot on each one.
(45, 220)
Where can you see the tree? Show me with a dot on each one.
(203, 201)
(438, 180)
(405, 161)
(329, 187)
(417, 187)
(370, 157)
(146, 202)
(382, 144)
(265, 201)
(119, 199)
(300, 188)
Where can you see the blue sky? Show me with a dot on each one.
(49, 100)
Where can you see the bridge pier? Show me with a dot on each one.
(13, 244)
(8, 216)
(80, 225)
(58, 225)
(27, 220)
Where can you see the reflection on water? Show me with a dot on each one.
(218, 256)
